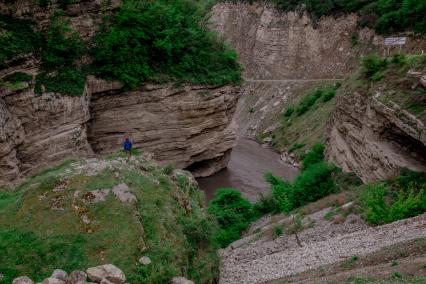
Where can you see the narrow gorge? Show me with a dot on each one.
(265, 141)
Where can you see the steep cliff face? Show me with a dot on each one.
(273, 45)
(85, 16)
(374, 134)
(182, 126)
(189, 126)
(52, 128)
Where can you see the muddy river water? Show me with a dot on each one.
(249, 161)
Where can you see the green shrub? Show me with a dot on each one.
(289, 111)
(66, 81)
(328, 93)
(307, 101)
(282, 193)
(315, 182)
(18, 77)
(62, 46)
(147, 40)
(408, 204)
(233, 214)
(374, 207)
(399, 198)
(295, 146)
(168, 169)
(278, 231)
(61, 50)
(372, 64)
(17, 38)
(315, 155)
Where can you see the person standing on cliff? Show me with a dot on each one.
(127, 145)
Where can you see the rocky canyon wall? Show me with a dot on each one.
(185, 126)
(182, 126)
(188, 126)
(286, 54)
(373, 139)
(275, 45)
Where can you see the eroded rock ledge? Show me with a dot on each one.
(182, 126)
(374, 140)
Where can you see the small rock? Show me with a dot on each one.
(53, 281)
(108, 271)
(121, 192)
(22, 280)
(267, 140)
(348, 205)
(145, 260)
(116, 175)
(181, 280)
(414, 74)
(423, 81)
(77, 277)
(85, 219)
(1, 277)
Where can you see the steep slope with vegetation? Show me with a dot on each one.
(148, 52)
(379, 123)
(325, 231)
(135, 43)
(96, 211)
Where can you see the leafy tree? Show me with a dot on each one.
(149, 40)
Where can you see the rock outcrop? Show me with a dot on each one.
(188, 126)
(182, 126)
(374, 140)
(275, 45)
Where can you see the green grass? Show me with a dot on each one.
(175, 232)
(278, 231)
(299, 133)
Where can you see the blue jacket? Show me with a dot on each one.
(127, 145)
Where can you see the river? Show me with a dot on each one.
(249, 161)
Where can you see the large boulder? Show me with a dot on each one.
(59, 274)
(22, 280)
(77, 277)
(106, 272)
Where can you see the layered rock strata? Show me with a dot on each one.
(374, 140)
(183, 126)
(188, 126)
(276, 45)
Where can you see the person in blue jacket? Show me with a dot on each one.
(127, 145)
